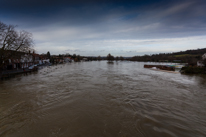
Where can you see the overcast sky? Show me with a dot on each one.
(122, 28)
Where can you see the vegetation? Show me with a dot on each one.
(117, 58)
(204, 62)
(110, 58)
(194, 70)
(99, 58)
(48, 55)
(12, 41)
(77, 58)
(190, 56)
(121, 58)
(183, 55)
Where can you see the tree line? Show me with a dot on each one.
(190, 56)
(77, 58)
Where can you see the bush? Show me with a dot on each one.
(193, 70)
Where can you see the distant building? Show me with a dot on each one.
(17, 60)
(84, 59)
(67, 59)
(37, 58)
(204, 56)
(57, 59)
(45, 61)
(26, 60)
(200, 63)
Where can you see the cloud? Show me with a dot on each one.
(98, 27)
(129, 47)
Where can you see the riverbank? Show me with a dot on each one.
(175, 72)
(12, 73)
(161, 67)
(193, 70)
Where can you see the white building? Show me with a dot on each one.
(67, 59)
(84, 59)
(26, 60)
(46, 61)
(204, 56)
(200, 63)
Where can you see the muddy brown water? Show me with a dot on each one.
(97, 99)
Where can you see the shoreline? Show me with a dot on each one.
(164, 70)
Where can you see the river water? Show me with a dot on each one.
(97, 99)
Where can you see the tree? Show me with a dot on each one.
(12, 41)
(51, 60)
(99, 58)
(74, 56)
(110, 57)
(121, 58)
(78, 57)
(68, 55)
(117, 58)
(48, 55)
(204, 62)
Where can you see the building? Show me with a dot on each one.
(200, 63)
(17, 60)
(36, 58)
(84, 59)
(67, 59)
(26, 60)
(204, 56)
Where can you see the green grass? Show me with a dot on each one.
(184, 55)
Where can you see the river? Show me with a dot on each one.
(100, 99)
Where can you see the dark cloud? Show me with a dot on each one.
(92, 20)
(78, 12)
(75, 10)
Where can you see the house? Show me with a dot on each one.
(84, 59)
(204, 56)
(45, 61)
(58, 59)
(26, 60)
(17, 60)
(36, 58)
(67, 59)
(201, 63)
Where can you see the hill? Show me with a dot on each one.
(188, 56)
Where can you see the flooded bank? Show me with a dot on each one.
(101, 99)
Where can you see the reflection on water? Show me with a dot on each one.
(100, 99)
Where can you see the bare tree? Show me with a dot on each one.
(2, 28)
(12, 41)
